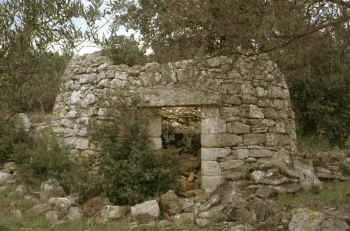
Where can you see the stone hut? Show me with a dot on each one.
(246, 116)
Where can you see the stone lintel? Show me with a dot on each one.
(176, 97)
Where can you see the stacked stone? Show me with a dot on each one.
(246, 121)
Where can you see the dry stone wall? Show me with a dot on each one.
(246, 116)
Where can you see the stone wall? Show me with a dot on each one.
(246, 116)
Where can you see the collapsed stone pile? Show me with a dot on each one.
(252, 209)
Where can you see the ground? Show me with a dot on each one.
(333, 200)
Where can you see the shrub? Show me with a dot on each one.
(132, 172)
(12, 139)
(21, 90)
(46, 158)
(125, 50)
(320, 95)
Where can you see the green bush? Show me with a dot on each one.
(132, 172)
(12, 139)
(125, 50)
(22, 90)
(46, 158)
(320, 96)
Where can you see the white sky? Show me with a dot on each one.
(87, 47)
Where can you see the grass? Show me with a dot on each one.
(333, 195)
(32, 222)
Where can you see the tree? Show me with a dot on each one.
(29, 30)
(188, 28)
(309, 40)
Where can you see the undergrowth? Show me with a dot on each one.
(132, 171)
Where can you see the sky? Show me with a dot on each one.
(87, 47)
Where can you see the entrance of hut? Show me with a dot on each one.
(181, 132)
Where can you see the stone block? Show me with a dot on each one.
(228, 112)
(247, 89)
(211, 183)
(211, 140)
(255, 112)
(261, 92)
(280, 127)
(232, 100)
(210, 168)
(254, 139)
(156, 143)
(277, 92)
(278, 104)
(148, 208)
(213, 126)
(85, 79)
(248, 99)
(241, 153)
(231, 88)
(220, 140)
(210, 112)
(238, 128)
(75, 97)
(110, 212)
(260, 153)
(283, 139)
(270, 113)
(155, 126)
(231, 164)
(82, 143)
(271, 139)
(229, 140)
(213, 154)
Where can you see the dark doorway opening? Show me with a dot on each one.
(181, 131)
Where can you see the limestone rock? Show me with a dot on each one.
(51, 186)
(187, 204)
(170, 203)
(4, 177)
(74, 213)
(307, 176)
(61, 203)
(266, 192)
(305, 219)
(245, 227)
(148, 208)
(94, 205)
(24, 121)
(243, 215)
(110, 212)
(10, 167)
(17, 213)
(202, 222)
(52, 217)
(183, 218)
(335, 224)
(39, 209)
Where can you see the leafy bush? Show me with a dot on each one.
(22, 92)
(132, 172)
(46, 158)
(320, 96)
(12, 139)
(125, 50)
(39, 158)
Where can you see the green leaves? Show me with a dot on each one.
(29, 31)
(132, 172)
